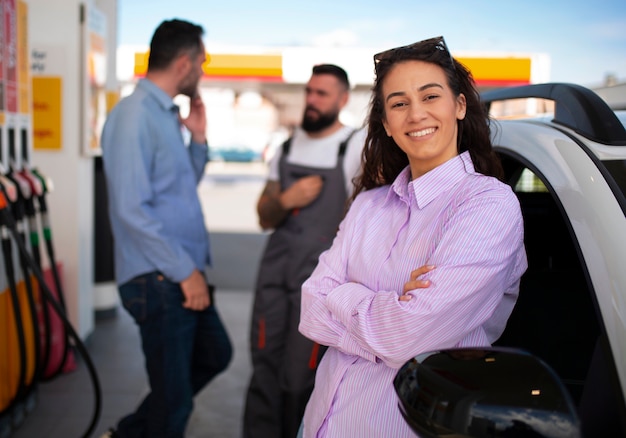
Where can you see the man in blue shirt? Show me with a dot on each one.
(161, 244)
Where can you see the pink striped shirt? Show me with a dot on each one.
(466, 224)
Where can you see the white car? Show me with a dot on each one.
(569, 172)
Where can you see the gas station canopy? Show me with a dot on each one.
(294, 66)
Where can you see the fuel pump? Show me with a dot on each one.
(61, 357)
(18, 388)
(25, 312)
(7, 221)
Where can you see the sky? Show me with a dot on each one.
(584, 40)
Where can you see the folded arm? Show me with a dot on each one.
(475, 261)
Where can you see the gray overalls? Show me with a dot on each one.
(283, 360)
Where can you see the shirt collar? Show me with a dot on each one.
(428, 186)
(162, 98)
(400, 185)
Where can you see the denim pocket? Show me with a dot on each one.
(134, 297)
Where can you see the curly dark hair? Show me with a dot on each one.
(382, 159)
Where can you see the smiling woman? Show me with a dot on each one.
(421, 114)
(414, 266)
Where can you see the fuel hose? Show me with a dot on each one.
(7, 220)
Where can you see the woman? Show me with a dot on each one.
(429, 197)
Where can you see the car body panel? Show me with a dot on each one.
(595, 215)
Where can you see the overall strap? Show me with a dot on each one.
(286, 146)
(344, 144)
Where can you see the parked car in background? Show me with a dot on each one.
(569, 173)
(234, 153)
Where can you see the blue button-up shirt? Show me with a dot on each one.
(152, 178)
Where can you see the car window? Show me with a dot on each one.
(555, 317)
(529, 182)
(617, 169)
(621, 115)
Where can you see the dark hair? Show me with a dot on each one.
(171, 39)
(382, 158)
(334, 70)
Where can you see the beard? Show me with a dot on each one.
(189, 85)
(316, 124)
(188, 89)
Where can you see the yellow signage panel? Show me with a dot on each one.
(141, 63)
(47, 110)
(496, 71)
(112, 98)
(255, 66)
(262, 67)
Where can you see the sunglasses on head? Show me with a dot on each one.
(425, 46)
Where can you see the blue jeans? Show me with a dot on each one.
(183, 351)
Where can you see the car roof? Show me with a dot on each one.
(575, 107)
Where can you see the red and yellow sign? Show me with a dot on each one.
(487, 71)
(498, 72)
(267, 68)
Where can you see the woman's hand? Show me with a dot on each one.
(415, 283)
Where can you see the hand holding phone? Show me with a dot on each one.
(196, 120)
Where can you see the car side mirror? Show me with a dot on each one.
(484, 392)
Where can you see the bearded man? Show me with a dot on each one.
(304, 200)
